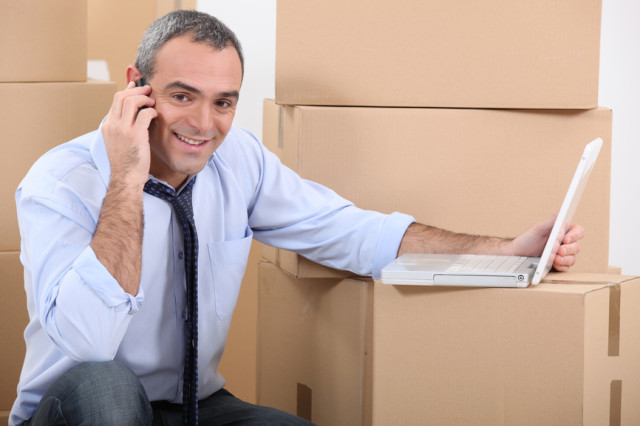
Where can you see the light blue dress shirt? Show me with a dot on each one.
(77, 310)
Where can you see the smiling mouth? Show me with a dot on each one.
(190, 141)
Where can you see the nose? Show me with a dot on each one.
(201, 119)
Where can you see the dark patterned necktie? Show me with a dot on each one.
(183, 209)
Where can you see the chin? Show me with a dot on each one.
(193, 169)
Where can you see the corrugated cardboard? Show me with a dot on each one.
(166, 6)
(487, 172)
(430, 53)
(565, 352)
(114, 36)
(43, 40)
(13, 320)
(542, 356)
(325, 341)
(35, 118)
(299, 266)
(614, 270)
(238, 364)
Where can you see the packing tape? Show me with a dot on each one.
(615, 408)
(614, 319)
(303, 408)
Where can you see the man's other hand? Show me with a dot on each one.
(533, 240)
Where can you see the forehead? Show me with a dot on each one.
(184, 59)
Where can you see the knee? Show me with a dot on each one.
(107, 380)
(102, 393)
(110, 372)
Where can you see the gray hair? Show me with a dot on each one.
(203, 27)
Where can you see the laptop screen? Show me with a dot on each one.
(569, 205)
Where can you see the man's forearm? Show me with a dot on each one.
(117, 241)
(427, 239)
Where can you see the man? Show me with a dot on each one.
(129, 297)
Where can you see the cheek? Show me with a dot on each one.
(166, 113)
(160, 136)
(223, 123)
(160, 126)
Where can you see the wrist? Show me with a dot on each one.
(123, 181)
(506, 247)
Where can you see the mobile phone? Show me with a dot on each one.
(139, 83)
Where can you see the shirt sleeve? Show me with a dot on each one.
(310, 219)
(80, 305)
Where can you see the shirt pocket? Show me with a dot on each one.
(228, 263)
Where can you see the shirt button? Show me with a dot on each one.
(184, 314)
(180, 254)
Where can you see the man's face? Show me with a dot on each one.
(196, 90)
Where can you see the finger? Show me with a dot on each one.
(569, 249)
(563, 263)
(575, 233)
(145, 117)
(116, 106)
(120, 98)
(133, 104)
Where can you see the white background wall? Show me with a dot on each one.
(620, 90)
(254, 23)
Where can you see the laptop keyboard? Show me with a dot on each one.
(485, 263)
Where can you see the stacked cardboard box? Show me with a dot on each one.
(13, 311)
(470, 117)
(541, 62)
(29, 50)
(350, 352)
(116, 27)
(458, 54)
(45, 100)
(480, 171)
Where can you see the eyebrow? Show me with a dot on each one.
(183, 86)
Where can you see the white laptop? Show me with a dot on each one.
(489, 270)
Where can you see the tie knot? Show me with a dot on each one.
(181, 202)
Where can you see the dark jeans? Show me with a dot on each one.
(107, 393)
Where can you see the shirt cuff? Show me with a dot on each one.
(96, 277)
(393, 230)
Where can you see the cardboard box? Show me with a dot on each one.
(238, 364)
(614, 270)
(348, 352)
(461, 54)
(13, 320)
(35, 118)
(487, 172)
(43, 40)
(299, 266)
(114, 36)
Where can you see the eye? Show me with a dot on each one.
(181, 97)
(223, 103)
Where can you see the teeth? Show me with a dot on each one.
(189, 141)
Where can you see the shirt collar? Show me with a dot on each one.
(179, 190)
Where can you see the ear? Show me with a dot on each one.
(133, 74)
